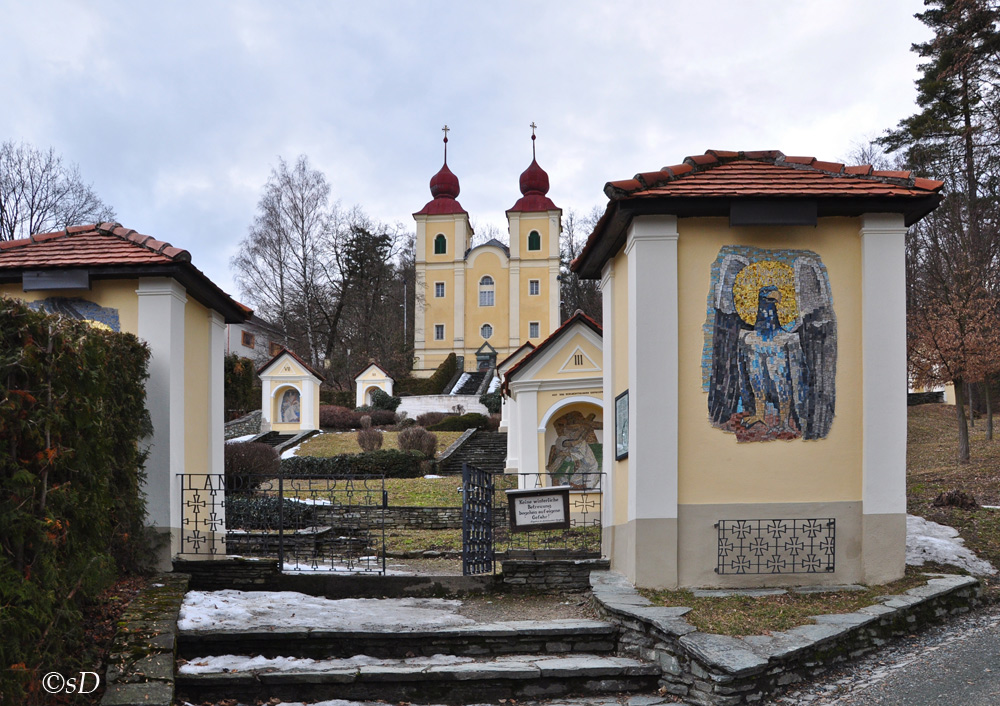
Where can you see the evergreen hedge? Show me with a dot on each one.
(471, 420)
(434, 385)
(242, 386)
(72, 516)
(390, 462)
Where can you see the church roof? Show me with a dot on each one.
(709, 184)
(111, 251)
(534, 184)
(492, 242)
(444, 190)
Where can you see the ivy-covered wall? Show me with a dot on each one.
(72, 514)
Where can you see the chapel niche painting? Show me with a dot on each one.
(575, 456)
(770, 358)
(289, 408)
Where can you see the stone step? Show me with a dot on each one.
(429, 681)
(565, 636)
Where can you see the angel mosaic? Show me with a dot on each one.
(769, 363)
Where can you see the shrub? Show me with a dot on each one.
(418, 439)
(492, 401)
(428, 419)
(404, 422)
(72, 516)
(369, 439)
(248, 463)
(334, 417)
(242, 387)
(472, 420)
(261, 512)
(388, 462)
(383, 400)
(434, 385)
(339, 398)
(382, 417)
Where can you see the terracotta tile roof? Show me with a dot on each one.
(109, 251)
(706, 185)
(297, 358)
(764, 174)
(78, 246)
(579, 316)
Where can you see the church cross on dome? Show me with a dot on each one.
(446, 130)
(533, 126)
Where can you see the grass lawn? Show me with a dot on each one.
(932, 469)
(335, 443)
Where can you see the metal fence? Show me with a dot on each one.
(583, 538)
(308, 523)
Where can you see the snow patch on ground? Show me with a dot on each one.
(288, 453)
(310, 501)
(240, 438)
(241, 663)
(268, 610)
(929, 541)
(431, 476)
(464, 378)
(494, 385)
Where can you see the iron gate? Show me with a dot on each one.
(477, 521)
(308, 523)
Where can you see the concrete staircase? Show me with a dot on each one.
(486, 450)
(454, 665)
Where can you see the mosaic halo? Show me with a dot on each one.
(762, 274)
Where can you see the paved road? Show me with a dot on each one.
(953, 665)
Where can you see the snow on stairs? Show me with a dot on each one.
(486, 450)
(483, 662)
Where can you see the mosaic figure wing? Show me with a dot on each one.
(818, 339)
(727, 383)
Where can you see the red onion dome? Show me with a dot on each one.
(534, 180)
(444, 184)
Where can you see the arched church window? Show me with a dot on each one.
(440, 244)
(534, 240)
(486, 331)
(486, 291)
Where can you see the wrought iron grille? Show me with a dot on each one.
(308, 523)
(477, 521)
(583, 538)
(776, 546)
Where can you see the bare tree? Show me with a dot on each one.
(576, 293)
(39, 193)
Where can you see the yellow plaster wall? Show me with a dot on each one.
(486, 263)
(528, 223)
(713, 467)
(197, 387)
(454, 249)
(113, 293)
(439, 310)
(553, 369)
(620, 378)
(535, 308)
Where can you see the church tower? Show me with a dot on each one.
(534, 224)
(443, 236)
(483, 303)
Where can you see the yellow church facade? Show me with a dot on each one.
(488, 299)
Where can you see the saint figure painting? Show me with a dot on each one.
(769, 362)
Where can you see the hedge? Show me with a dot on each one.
(72, 516)
(434, 385)
(242, 386)
(383, 400)
(472, 420)
(260, 512)
(390, 462)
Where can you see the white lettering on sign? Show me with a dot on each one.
(539, 510)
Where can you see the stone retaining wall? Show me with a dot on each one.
(550, 575)
(248, 424)
(403, 517)
(141, 663)
(717, 670)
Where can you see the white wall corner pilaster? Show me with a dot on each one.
(514, 235)
(307, 419)
(554, 297)
(419, 309)
(161, 302)
(458, 335)
(608, 349)
(883, 312)
(526, 420)
(651, 250)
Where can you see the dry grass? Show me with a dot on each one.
(335, 443)
(762, 615)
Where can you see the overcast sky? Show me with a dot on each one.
(176, 111)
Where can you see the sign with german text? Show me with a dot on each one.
(539, 508)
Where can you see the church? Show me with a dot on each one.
(484, 302)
